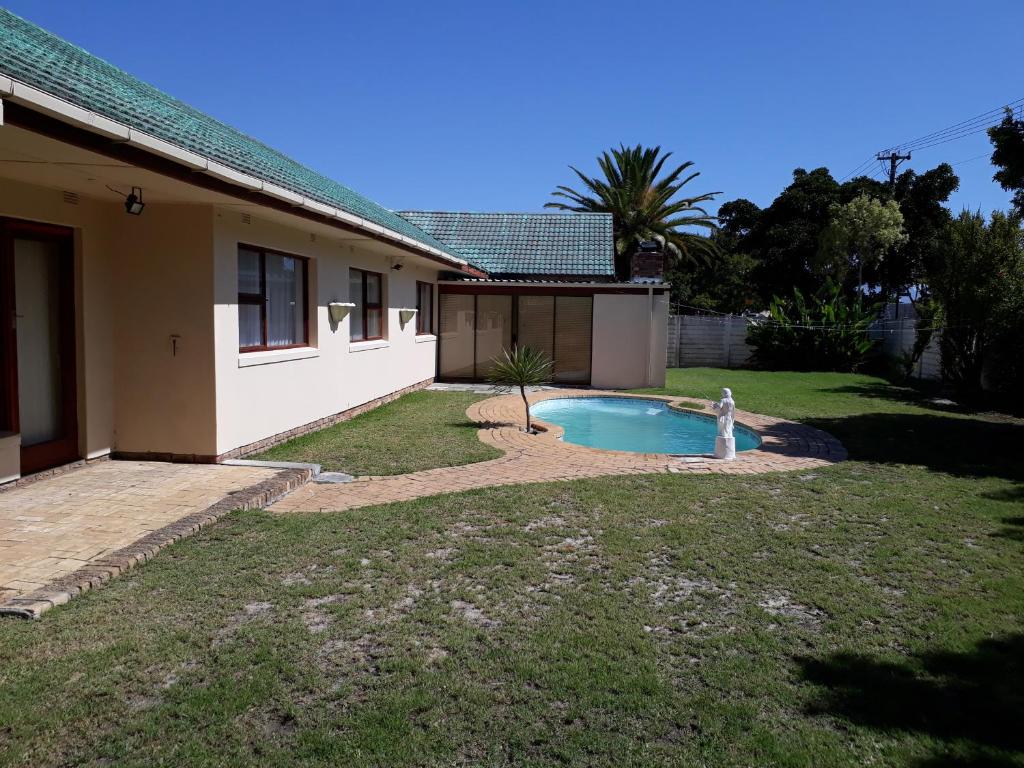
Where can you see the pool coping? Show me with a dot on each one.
(673, 403)
(783, 442)
(786, 446)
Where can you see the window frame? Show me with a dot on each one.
(424, 328)
(260, 299)
(364, 307)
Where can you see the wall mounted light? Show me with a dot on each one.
(337, 310)
(405, 315)
(133, 203)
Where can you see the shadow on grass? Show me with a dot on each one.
(934, 397)
(959, 446)
(972, 702)
(1013, 529)
(925, 397)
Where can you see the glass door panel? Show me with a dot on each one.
(573, 331)
(493, 331)
(457, 317)
(537, 324)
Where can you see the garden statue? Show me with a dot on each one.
(725, 443)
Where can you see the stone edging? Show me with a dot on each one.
(99, 572)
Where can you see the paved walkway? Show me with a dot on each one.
(539, 458)
(54, 528)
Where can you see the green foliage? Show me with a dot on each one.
(904, 270)
(643, 206)
(725, 283)
(826, 333)
(977, 279)
(522, 367)
(859, 233)
(1008, 155)
(783, 241)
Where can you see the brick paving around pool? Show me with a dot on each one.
(785, 446)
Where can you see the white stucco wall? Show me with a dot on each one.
(295, 387)
(629, 340)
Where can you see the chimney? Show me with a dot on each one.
(648, 263)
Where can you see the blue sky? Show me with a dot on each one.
(483, 105)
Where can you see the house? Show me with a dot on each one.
(171, 288)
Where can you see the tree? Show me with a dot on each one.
(860, 233)
(1008, 155)
(725, 283)
(904, 270)
(781, 244)
(786, 238)
(643, 207)
(522, 367)
(976, 279)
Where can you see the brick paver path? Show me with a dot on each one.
(54, 527)
(539, 458)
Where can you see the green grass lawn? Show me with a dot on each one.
(871, 613)
(421, 430)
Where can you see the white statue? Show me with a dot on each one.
(726, 408)
(725, 443)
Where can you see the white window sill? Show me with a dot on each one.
(246, 359)
(423, 338)
(362, 346)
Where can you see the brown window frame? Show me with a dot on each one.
(424, 320)
(365, 307)
(260, 299)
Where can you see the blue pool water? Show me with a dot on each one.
(633, 424)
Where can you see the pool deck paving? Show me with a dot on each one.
(537, 458)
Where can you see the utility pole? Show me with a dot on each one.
(894, 161)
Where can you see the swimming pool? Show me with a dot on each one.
(635, 424)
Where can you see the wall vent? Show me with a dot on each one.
(71, 198)
(246, 218)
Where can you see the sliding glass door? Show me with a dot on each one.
(37, 347)
(477, 329)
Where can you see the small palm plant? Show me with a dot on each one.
(522, 367)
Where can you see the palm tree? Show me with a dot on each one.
(642, 205)
(522, 367)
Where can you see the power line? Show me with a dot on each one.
(976, 157)
(961, 130)
(985, 118)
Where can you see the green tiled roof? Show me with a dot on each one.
(44, 61)
(524, 244)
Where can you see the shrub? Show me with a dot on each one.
(977, 280)
(825, 333)
(522, 367)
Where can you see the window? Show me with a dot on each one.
(272, 290)
(425, 308)
(366, 291)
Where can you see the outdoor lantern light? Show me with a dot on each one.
(133, 203)
(406, 314)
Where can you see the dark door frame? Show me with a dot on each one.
(65, 448)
